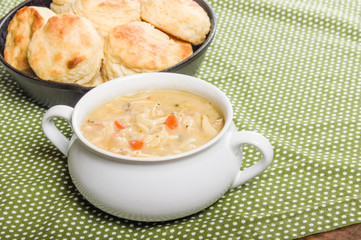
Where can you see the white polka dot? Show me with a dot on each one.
(291, 70)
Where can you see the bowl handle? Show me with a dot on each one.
(52, 132)
(262, 144)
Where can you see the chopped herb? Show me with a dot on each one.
(176, 105)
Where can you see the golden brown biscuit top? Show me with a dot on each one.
(184, 19)
(23, 15)
(106, 14)
(64, 27)
(140, 45)
(67, 49)
(26, 21)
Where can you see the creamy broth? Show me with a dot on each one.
(153, 123)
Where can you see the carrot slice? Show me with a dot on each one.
(171, 122)
(136, 144)
(119, 124)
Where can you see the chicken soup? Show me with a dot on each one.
(153, 123)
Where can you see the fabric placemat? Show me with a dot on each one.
(292, 71)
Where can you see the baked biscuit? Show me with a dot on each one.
(67, 49)
(184, 19)
(106, 14)
(139, 47)
(61, 6)
(20, 30)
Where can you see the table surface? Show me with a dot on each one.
(291, 70)
(352, 232)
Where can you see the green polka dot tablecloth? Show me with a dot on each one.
(292, 71)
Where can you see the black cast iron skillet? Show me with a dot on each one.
(49, 93)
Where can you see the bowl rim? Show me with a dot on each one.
(76, 87)
(156, 77)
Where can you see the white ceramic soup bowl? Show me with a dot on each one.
(161, 188)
